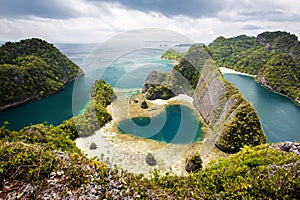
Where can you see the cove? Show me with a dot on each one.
(177, 125)
(279, 115)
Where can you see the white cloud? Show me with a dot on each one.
(98, 22)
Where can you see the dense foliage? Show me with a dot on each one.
(244, 129)
(95, 115)
(273, 56)
(31, 69)
(260, 173)
(171, 54)
(159, 92)
(192, 63)
(254, 173)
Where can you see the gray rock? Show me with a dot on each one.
(287, 147)
(150, 160)
(93, 146)
(144, 105)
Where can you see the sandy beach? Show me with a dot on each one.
(225, 70)
(129, 152)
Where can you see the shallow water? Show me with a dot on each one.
(178, 125)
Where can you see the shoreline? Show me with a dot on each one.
(174, 62)
(36, 97)
(225, 70)
(129, 152)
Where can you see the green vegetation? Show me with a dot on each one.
(42, 161)
(273, 56)
(228, 52)
(254, 173)
(55, 137)
(193, 62)
(193, 162)
(32, 69)
(244, 129)
(260, 173)
(95, 115)
(171, 54)
(184, 76)
(158, 91)
(239, 125)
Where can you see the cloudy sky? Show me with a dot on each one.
(79, 21)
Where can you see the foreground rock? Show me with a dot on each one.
(288, 147)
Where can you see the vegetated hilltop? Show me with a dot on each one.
(31, 69)
(273, 56)
(232, 119)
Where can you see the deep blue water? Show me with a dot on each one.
(178, 125)
(279, 115)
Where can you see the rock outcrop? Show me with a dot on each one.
(288, 147)
(193, 162)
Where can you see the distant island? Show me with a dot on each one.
(32, 69)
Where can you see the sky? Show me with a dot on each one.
(93, 21)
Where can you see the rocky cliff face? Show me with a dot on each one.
(233, 121)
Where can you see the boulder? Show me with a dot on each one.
(150, 160)
(144, 105)
(93, 146)
(193, 162)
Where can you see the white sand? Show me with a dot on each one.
(129, 153)
(180, 98)
(183, 98)
(225, 70)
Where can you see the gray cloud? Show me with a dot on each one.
(275, 15)
(39, 8)
(191, 8)
(251, 27)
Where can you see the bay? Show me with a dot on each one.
(280, 116)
